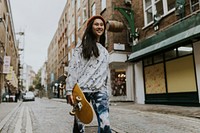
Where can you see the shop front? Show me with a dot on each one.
(170, 77)
(167, 65)
(121, 78)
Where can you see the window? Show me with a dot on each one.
(148, 12)
(148, 61)
(65, 17)
(68, 43)
(79, 22)
(158, 58)
(106, 41)
(78, 4)
(93, 9)
(170, 54)
(103, 4)
(157, 7)
(194, 5)
(73, 21)
(170, 4)
(72, 51)
(73, 37)
(84, 14)
(72, 2)
(118, 86)
(69, 56)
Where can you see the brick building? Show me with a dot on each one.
(8, 51)
(154, 58)
(166, 57)
(70, 30)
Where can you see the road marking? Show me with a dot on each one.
(19, 122)
(28, 121)
(3, 122)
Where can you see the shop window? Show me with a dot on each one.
(180, 75)
(170, 54)
(185, 50)
(118, 84)
(148, 61)
(158, 58)
(155, 79)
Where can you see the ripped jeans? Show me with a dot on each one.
(101, 107)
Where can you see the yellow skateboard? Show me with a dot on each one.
(81, 108)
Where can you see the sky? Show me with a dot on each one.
(38, 19)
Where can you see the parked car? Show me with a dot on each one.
(28, 96)
(8, 98)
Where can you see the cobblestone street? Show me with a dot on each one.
(52, 116)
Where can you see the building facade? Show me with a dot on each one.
(44, 76)
(52, 66)
(8, 51)
(166, 57)
(153, 47)
(28, 77)
(70, 29)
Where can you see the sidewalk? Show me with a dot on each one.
(6, 110)
(187, 111)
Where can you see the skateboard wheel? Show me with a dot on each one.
(78, 98)
(72, 113)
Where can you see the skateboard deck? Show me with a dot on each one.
(81, 108)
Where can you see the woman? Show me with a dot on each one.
(89, 67)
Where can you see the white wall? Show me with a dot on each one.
(130, 83)
(197, 63)
(139, 83)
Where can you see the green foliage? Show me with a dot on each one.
(31, 88)
(37, 80)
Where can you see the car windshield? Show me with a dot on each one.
(29, 93)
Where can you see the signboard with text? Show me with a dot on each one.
(6, 64)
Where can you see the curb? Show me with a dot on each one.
(3, 122)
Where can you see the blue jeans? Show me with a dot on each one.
(101, 107)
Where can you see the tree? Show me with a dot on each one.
(31, 88)
(38, 85)
(37, 80)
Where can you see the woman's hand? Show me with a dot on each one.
(70, 99)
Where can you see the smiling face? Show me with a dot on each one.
(98, 28)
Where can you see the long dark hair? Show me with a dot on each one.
(89, 42)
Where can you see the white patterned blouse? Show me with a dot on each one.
(91, 75)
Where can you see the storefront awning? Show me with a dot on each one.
(12, 78)
(182, 31)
